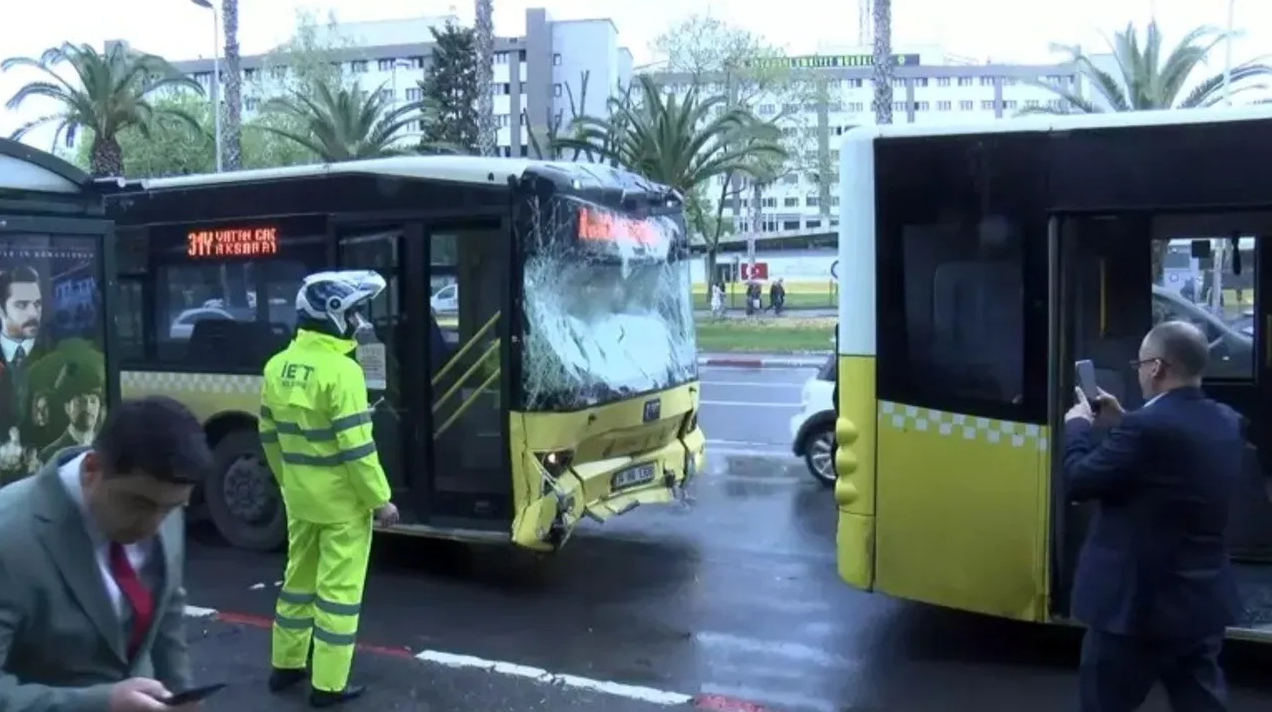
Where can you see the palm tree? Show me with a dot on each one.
(884, 74)
(232, 143)
(344, 124)
(1145, 78)
(681, 143)
(484, 33)
(110, 91)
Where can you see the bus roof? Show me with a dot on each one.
(1042, 123)
(455, 169)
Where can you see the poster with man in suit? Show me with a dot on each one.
(52, 371)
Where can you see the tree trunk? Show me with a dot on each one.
(232, 119)
(105, 157)
(484, 34)
(883, 69)
(757, 222)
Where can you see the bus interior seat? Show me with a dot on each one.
(977, 315)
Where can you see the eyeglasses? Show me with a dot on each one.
(1136, 364)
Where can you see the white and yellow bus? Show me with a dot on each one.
(976, 264)
(558, 384)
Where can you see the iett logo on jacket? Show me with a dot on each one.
(296, 374)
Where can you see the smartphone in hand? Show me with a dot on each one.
(197, 694)
(1085, 373)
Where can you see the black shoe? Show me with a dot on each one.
(284, 679)
(322, 698)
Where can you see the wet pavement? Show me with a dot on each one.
(732, 597)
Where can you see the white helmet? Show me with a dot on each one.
(338, 297)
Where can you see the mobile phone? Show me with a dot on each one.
(197, 694)
(1085, 371)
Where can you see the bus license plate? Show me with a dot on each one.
(633, 477)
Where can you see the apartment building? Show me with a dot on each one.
(535, 75)
(930, 87)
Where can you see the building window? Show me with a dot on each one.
(813, 224)
(249, 75)
(250, 103)
(920, 106)
(898, 83)
(966, 105)
(898, 106)
(278, 72)
(987, 81)
(790, 202)
(987, 104)
(556, 90)
(919, 81)
(385, 65)
(501, 58)
(767, 109)
(943, 81)
(414, 94)
(811, 201)
(790, 224)
(416, 62)
(1009, 104)
(855, 83)
(358, 66)
(1031, 103)
(965, 81)
(856, 106)
(944, 105)
(769, 202)
(556, 60)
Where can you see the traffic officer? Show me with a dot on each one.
(315, 428)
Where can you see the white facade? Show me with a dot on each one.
(931, 87)
(531, 73)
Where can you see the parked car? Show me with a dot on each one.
(813, 428)
(445, 299)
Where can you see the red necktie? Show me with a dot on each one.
(135, 592)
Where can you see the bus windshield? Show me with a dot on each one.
(607, 315)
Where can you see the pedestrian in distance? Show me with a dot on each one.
(1153, 584)
(92, 552)
(315, 428)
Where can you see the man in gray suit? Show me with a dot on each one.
(91, 559)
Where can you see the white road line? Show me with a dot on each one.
(750, 404)
(617, 689)
(199, 612)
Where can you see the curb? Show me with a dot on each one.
(745, 362)
(664, 698)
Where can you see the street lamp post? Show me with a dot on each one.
(216, 76)
(1227, 53)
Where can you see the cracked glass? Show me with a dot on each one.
(607, 305)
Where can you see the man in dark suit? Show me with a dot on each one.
(1153, 584)
(91, 559)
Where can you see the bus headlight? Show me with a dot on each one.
(554, 463)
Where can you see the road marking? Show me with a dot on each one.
(651, 695)
(751, 404)
(617, 689)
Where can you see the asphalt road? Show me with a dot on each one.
(733, 597)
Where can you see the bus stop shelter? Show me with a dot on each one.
(57, 261)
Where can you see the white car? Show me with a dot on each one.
(813, 428)
(445, 299)
(183, 325)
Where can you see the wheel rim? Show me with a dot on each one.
(248, 491)
(821, 455)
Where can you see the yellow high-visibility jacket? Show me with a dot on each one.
(315, 428)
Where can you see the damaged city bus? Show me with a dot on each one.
(534, 362)
(977, 264)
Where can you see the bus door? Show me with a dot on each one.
(1101, 286)
(382, 247)
(464, 329)
(1228, 257)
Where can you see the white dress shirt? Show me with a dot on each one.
(138, 554)
(10, 347)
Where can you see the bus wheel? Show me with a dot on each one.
(242, 496)
(819, 453)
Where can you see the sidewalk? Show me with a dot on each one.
(762, 360)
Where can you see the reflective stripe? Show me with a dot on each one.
(266, 413)
(339, 609)
(298, 599)
(322, 434)
(270, 437)
(339, 458)
(293, 623)
(330, 638)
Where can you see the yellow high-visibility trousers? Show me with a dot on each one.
(321, 598)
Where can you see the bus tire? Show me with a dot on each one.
(242, 497)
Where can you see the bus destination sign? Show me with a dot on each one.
(232, 242)
(604, 226)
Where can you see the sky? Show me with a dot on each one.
(1002, 30)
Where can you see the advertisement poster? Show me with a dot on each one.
(52, 373)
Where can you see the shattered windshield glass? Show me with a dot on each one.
(608, 314)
